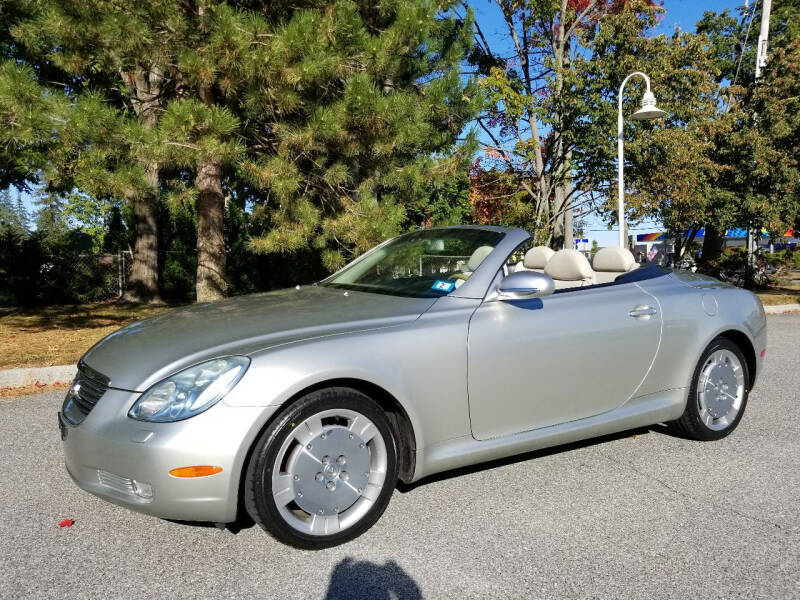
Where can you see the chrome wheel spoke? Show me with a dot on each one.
(324, 525)
(310, 429)
(282, 489)
(371, 492)
(368, 432)
(363, 428)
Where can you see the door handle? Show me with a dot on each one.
(642, 312)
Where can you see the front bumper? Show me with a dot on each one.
(109, 450)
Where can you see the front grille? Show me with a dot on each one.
(86, 391)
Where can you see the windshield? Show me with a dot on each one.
(423, 264)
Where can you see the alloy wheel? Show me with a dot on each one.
(329, 472)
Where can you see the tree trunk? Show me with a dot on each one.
(211, 284)
(144, 90)
(559, 240)
(712, 244)
(561, 163)
(563, 231)
(569, 230)
(142, 285)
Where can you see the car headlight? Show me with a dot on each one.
(191, 391)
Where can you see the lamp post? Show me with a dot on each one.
(647, 112)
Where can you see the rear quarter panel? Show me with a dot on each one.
(694, 312)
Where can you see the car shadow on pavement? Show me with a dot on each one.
(352, 579)
(518, 458)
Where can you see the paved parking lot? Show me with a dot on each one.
(640, 515)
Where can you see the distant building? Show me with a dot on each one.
(645, 242)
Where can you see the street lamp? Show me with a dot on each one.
(647, 112)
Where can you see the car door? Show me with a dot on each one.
(574, 354)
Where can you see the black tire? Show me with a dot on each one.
(258, 497)
(690, 424)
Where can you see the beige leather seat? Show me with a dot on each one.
(569, 268)
(535, 259)
(475, 260)
(478, 257)
(610, 263)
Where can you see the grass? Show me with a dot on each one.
(771, 297)
(786, 291)
(59, 335)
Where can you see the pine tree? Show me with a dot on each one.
(337, 120)
(13, 214)
(331, 120)
(118, 52)
(353, 111)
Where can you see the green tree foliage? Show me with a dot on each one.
(669, 167)
(542, 120)
(553, 112)
(27, 131)
(119, 53)
(754, 138)
(763, 149)
(354, 110)
(13, 214)
(336, 121)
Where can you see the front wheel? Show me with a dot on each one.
(324, 470)
(718, 394)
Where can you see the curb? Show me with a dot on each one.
(779, 309)
(12, 378)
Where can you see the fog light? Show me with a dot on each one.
(143, 490)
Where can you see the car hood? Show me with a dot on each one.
(145, 352)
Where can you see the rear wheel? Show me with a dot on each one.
(718, 394)
(323, 472)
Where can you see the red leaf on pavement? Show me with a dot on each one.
(66, 523)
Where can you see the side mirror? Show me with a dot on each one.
(525, 284)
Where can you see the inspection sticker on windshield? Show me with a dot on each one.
(444, 286)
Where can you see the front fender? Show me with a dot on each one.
(422, 364)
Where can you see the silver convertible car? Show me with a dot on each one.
(437, 349)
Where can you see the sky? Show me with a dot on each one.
(679, 13)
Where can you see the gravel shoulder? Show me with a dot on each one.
(639, 515)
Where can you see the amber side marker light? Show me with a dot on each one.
(196, 471)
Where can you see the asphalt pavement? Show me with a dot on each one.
(639, 515)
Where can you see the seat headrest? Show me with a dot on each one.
(478, 257)
(536, 258)
(569, 265)
(614, 259)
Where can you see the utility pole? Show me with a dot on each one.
(754, 235)
(763, 37)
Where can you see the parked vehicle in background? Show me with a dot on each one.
(688, 264)
(437, 349)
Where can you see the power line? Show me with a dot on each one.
(744, 46)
